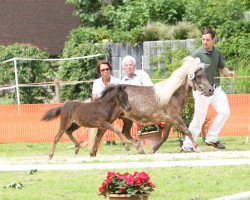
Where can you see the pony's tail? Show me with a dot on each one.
(51, 114)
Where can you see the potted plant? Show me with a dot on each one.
(126, 186)
(150, 135)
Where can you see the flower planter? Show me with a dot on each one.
(127, 197)
(150, 138)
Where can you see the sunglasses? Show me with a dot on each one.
(106, 69)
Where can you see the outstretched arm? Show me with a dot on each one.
(226, 72)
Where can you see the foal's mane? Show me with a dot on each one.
(164, 90)
(108, 91)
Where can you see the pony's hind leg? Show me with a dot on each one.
(69, 132)
(164, 138)
(56, 139)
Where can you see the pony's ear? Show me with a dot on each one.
(123, 86)
(191, 76)
(197, 60)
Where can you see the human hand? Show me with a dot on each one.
(231, 74)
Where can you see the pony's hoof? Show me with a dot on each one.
(152, 151)
(77, 150)
(197, 149)
(92, 155)
(140, 150)
(50, 157)
(127, 148)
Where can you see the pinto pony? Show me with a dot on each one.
(97, 114)
(163, 102)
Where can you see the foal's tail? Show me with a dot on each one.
(51, 114)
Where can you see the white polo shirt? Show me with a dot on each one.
(138, 78)
(98, 85)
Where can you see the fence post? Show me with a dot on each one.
(57, 90)
(16, 80)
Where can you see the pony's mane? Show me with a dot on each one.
(164, 90)
(106, 91)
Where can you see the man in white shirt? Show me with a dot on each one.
(133, 76)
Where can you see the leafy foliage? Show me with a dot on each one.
(88, 11)
(79, 70)
(237, 54)
(166, 11)
(125, 19)
(128, 16)
(28, 71)
(169, 60)
(149, 128)
(223, 15)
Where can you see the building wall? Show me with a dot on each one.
(45, 23)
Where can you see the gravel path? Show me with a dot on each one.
(215, 158)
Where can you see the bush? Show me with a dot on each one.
(170, 59)
(28, 71)
(166, 11)
(156, 31)
(159, 31)
(79, 70)
(223, 15)
(236, 52)
(128, 16)
(184, 30)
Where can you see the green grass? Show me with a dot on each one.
(171, 146)
(175, 183)
(194, 183)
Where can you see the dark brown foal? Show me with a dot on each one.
(97, 114)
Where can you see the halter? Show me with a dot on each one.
(191, 77)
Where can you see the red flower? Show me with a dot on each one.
(110, 175)
(130, 179)
(138, 127)
(118, 183)
(151, 185)
(123, 189)
(138, 181)
(122, 177)
(103, 187)
(143, 176)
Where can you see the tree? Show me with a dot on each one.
(28, 71)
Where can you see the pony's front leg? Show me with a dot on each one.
(97, 140)
(164, 137)
(119, 133)
(126, 132)
(182, 127)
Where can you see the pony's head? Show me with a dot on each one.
(198, 81)
(189, 70)
(117, 93)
